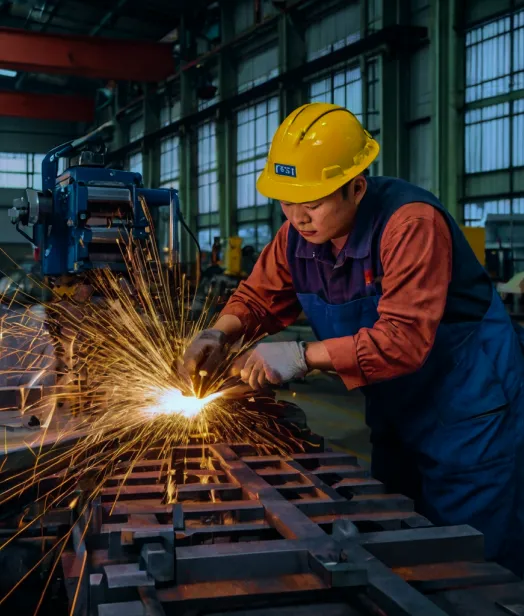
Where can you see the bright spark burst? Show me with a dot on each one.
(112, 388)
(172, 402)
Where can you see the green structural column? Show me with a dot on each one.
(363, 63)
(227, 86)
(187, 158)
(119, 101)
(447, 56)
(392, 134)
(292, 53)
(151, 151)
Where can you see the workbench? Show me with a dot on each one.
(250, 535)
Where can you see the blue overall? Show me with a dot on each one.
(449, 435)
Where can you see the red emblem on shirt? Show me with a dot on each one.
(368, 276)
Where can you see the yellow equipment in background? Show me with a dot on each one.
(476, 237)
(234, 257)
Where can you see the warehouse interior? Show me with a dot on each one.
(189, 96)
(438, 83)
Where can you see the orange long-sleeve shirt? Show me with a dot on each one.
(416, 256)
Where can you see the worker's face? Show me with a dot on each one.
(328, 218)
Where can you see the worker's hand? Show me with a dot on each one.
(206, 352)
(271, 362)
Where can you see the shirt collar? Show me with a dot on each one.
(358, 243)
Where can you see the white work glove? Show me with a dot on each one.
(272, 362)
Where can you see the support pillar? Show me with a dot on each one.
(227, 85)
(392, 123)
(151, 152)
(120, 99)
(448, 51)
(292, 53)
(187, 136)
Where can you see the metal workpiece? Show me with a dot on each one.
(245, 533)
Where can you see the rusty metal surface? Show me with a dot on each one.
(255, 534)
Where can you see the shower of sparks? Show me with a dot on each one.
(170, 401)
(112, 387)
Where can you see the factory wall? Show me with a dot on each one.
(23, 143)
(446, 108)
(214, 149)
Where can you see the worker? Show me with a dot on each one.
(401, 308)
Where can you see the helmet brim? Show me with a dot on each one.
(291, 191)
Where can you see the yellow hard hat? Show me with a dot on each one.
(316, 150)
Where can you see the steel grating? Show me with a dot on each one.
(249, 534)
(256, 534)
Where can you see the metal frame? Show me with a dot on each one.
(312, 530)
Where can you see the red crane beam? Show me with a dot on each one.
(85, 56)
(47, 106)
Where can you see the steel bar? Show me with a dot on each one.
(84, 56)
(273, 530)
(288, 520)
(422, 546)
(448, 575)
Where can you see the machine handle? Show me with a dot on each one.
(24, 234)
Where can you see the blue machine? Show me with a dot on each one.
(80, 214)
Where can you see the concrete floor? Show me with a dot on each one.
(333, 412)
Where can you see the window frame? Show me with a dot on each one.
(32, 163)
(493, 114)
(259, 213)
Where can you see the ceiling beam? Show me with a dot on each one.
(109, 17)
(46, 106)
(85, 56)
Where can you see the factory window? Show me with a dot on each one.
(134, 162)
(373, 120)
(495, 58)
(169, 178)
(330, 32)
(374, 14)
(255, 127)
(136, 130)
(343, 88)
(21, 170)
(494, 116)
(206, 237)
(244, 13)
(170, 113)
(488, 138)
(207, 169)
(257, 69)
(207, 220)
(169, 162)
(256, 235)
(476, 213)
